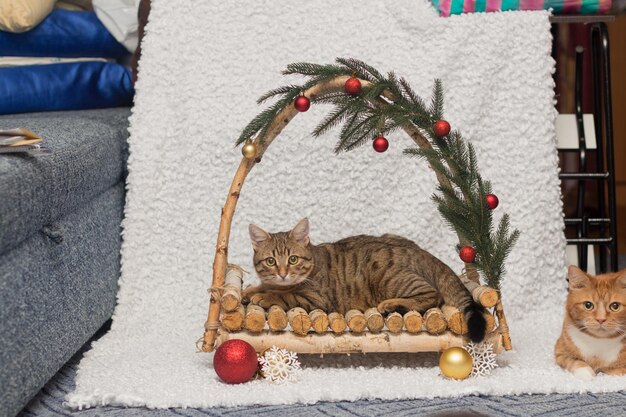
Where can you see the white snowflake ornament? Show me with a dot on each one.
(279, 365)
(484, 358)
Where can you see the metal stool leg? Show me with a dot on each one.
(581, 229)
(601, 74)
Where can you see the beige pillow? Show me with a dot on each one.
(23, 15)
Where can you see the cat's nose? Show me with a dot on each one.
(282, 276)
(600, 321)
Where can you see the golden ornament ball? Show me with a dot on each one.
(249, 150)
(456, 363)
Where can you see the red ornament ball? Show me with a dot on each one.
(441, 128)
(381, 144)
(467, 254)
(235, 361)
(492, 201)
(352, 86)
(302, 103)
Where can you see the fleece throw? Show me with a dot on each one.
(203, 66)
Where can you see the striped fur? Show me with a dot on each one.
(358, 272)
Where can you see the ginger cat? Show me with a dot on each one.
(358, 272)
(592, 339)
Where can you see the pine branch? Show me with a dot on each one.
(338, 98)
(413, 98)
(363, 70)
(331, 120)
(365, 136)
(256, 124)
(436, 105)
(396, 89)
(389, 103)
(277, 92)
(374, 90)
(344, 135)
(305, 68)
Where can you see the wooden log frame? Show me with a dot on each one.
(231, 291)
(277, 319)
(337, 322)
(282, 119)
(350, 343)
(413, 321)
(434, 321)
(253, 318)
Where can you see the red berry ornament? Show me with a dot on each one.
(467, 254)
(492, 201)
(441, 128)
(302, 103)
(381, 144)
(352, 86)
(235, 361)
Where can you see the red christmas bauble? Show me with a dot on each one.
(235, 361)
(380, 144)
(467, 254)
(302, 103)
(352, 86)
(492, 201)
(441, 128)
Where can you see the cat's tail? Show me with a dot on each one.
(476, 322)
(455, 294)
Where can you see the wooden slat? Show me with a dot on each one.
(355, 343)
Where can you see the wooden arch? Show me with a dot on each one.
(281, 120)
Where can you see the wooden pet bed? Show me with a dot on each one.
(356, 331)
(315, 331)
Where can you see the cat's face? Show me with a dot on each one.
(282, 259)
(597, 305)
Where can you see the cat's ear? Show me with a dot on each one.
(257, 236)
(300, 233)
(621, 279)
(577, 278)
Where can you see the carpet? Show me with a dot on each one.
(50, 403)
(203, 66)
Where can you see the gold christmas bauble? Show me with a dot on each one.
(456, 363)
(249, 150)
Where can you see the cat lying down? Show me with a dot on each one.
(592, 339)
(358, 272)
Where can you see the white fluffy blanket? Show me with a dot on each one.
(204, 64)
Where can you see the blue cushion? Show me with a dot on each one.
(64, 33)
(67, 86)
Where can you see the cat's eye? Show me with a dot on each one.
(270, 261)
(293, 259)
(615, 306)
(588, 305)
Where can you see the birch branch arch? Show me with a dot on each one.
(316, 331)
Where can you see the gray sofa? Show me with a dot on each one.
(60, 219)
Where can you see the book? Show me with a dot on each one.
(22, 140)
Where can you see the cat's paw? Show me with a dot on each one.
(257, 298)
(247, 294)
(391, 306)
(266, 300)
(585, 373)
(619, 371)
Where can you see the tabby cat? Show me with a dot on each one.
(359, 272)
(592, 339)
